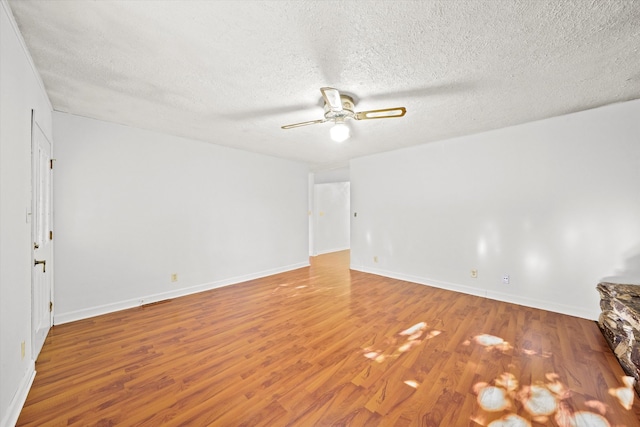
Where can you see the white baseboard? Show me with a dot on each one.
(15, 407)
(545, 305)
(494, 295)
(85, 313)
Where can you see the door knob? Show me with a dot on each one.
(43, 262)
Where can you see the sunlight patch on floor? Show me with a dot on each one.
(490, 342)
(505, 401)
(626, 394)
(511, 420)
(412, 383)
(409, 338)
(542, 402)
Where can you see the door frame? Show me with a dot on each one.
(35, 342)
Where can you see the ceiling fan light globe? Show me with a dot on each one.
(340, 132)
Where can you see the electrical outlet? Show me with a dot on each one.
(474, 273)
(505, 279)
(174, 277)
(375, 259)
(22, 350)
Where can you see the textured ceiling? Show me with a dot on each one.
(233, 72)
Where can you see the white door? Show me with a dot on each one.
(41, 275)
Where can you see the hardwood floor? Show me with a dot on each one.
(328, 346)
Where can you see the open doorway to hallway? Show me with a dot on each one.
(329, 211)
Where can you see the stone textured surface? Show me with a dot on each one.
(620, 324)
(233, 72)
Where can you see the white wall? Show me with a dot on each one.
(331, 213)
(555, 204)
(135, 206)
(21, 91)
(331, 175)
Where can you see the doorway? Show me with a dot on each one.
(331, 219)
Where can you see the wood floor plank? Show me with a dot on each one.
(325, 346)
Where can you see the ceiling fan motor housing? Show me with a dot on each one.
(346, 112)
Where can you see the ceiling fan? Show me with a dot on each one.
(339, 107)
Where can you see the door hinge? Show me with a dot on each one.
(50, 306)
(51, 163)
(50, 234)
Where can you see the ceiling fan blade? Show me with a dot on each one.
(332, 98)
(386, 113)
(297, 125)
